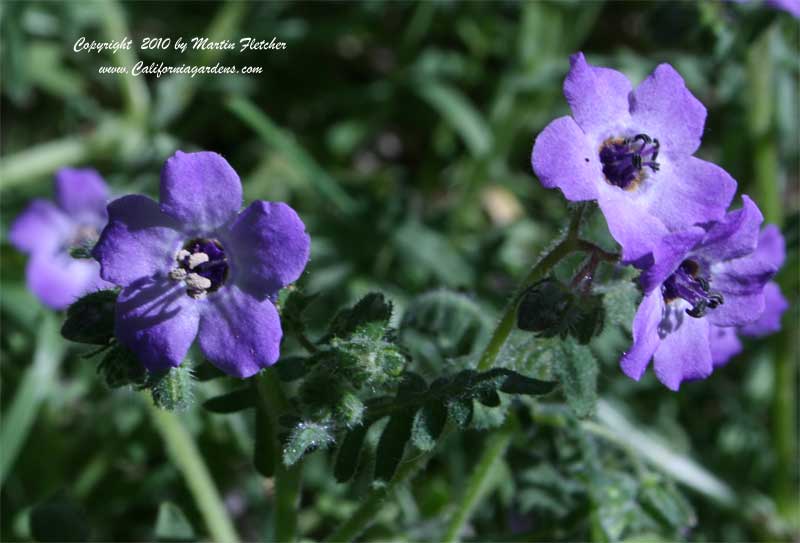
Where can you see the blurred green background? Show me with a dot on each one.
(401, 132)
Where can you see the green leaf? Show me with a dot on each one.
(459, 113)
(577, 370)
(231, 402)
(489, 398)
(91, 318)
(371, 308)
(428, 425)
(172, 525)
(349, 410)
(666, 504)
(59, 519)
(461, 412)
(349, 453)
(292, 311)
(392, 444)
(284, 142)
(120, 367)
(452, 323)
(515, 383)
(291, 368)
(431, 255)
(304, 438)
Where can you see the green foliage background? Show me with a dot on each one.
(401, 132)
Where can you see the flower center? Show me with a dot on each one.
(624, 159)
(687, 283)
(202, 266)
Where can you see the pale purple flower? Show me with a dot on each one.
(631, 150)
(725, 343)
(195, 266)
(701, 277)
(47, 232)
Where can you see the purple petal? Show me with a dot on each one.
(645, 336)
(746, 275)
(564, 158)
(269, 247)
(597, 96)
(668, 254)
(775, 304)
(630, 223)
(40, 227)
(684, 352)
(201, 190)
(771, 246)
(663, 107)
(81, 192)
(724, 344)
(58, 279)
(690, 191)
(736, 235)
(238, 333)
(738, 309)
(139, 241)
(157, 321)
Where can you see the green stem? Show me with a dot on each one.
(566, 246)
(32, 391)
(183, 451)
(288, 479)
(480, 482)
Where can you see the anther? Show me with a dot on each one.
(196, 259)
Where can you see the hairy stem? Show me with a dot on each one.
(479, 483)
(288, 479)
(183, 451)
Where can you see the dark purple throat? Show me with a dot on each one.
(688, 283)
(625, 159)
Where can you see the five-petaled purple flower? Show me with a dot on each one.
(700, 277)
(631, 150)
(48, 232)
(725, 342)
(194, 266)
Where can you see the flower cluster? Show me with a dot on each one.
(705, 271)
(191, 266)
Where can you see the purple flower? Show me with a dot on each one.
(631, 150)
(725, 343)
(701, 277)
(47, 232)
(194, 266)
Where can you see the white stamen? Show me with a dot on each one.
(197, 259)
(177, 274)
(197, 294)
(197, 282)
(182, 255)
